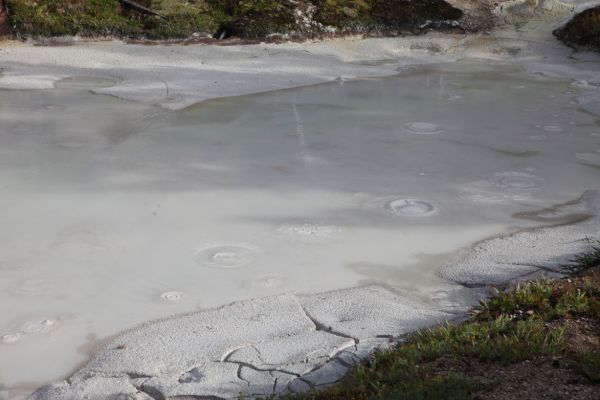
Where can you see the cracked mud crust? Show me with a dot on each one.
(289, 343)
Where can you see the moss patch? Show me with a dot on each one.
(223, 18)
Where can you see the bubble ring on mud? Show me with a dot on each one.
(227, 255)
(10, 338)
(422, 128)
(518, 180)
(171, 296)
(410, 208)
(41, 326)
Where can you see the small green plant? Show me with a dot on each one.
(521, 301)
(589, 365)
(587, 260)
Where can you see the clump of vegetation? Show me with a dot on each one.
(587, 260)
(70, 17)
(413, 15)
(546, 331)
(344, 14)
(223, 18)
(182, 18)
(253, 18)
(386, 16)
(583, 31)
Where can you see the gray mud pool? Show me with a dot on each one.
(114, 213)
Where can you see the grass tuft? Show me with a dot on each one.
(587, 260)
(542, 323)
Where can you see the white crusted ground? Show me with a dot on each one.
(258, 347)
(501, 259)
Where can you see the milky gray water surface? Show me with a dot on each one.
(113, 213)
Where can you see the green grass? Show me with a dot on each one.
(242, 18)
(587, 260)
(69, 17)
(525, 323)
(406, 372)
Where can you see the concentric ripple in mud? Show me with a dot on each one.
(410, 208)
(10, 338)
(227, 255)
(518, 180)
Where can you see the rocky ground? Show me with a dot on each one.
(583, 31)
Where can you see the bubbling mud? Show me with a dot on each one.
(423, 128)
(171, 296)
(227, 255)
(410, 208)
(10, 338)
(518, 181)
(150, 211)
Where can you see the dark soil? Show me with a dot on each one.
(583, 31)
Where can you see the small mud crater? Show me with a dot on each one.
(518, 180)
(171, 296)
(227, 255)
(410, 208)
(10, 338)
(41, 326)
(423, 128)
